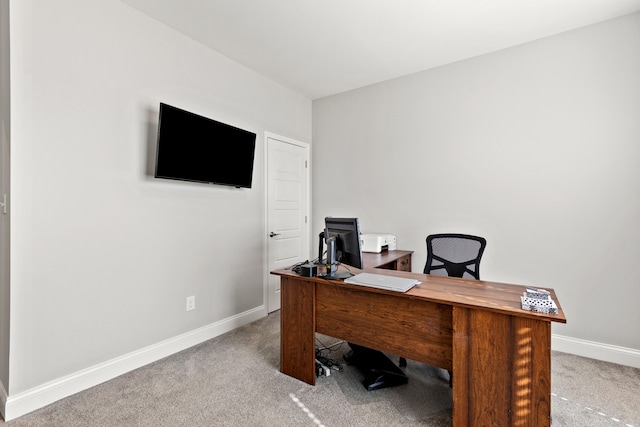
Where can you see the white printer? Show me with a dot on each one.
(378, 242)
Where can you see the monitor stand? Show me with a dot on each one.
(378, 369)
(338, 275)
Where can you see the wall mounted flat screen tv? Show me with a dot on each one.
(195, 148)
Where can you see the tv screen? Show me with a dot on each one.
(199, 149)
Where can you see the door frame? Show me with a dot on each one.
(307, 226)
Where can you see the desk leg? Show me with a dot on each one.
(501, 369)
(297, 329)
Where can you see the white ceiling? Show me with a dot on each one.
(324, 47)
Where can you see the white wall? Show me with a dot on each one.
(103, 255)
(534, 147)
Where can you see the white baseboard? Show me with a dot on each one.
(595, 350)
(45, 394)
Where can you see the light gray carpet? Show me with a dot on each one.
(233, 380)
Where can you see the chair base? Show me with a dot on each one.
(378, 369)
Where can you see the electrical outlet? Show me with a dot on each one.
(191, 303)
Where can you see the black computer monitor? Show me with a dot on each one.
(348, 249)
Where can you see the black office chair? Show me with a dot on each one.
(456, 255)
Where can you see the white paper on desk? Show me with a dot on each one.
(381, 281)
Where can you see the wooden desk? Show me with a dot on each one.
(390, 260)
(500, 355)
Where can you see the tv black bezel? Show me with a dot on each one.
(245, 134)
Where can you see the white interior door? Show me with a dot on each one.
(287, 209)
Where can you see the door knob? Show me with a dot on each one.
(272, 234)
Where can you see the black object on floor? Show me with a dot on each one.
(378, 369)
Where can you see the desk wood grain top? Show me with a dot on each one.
(373, 259)
(493, 296)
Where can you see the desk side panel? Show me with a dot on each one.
(297, 326)
(394, 323)
(531, 389)
(501, 369)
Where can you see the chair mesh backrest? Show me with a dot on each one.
(456, 255)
